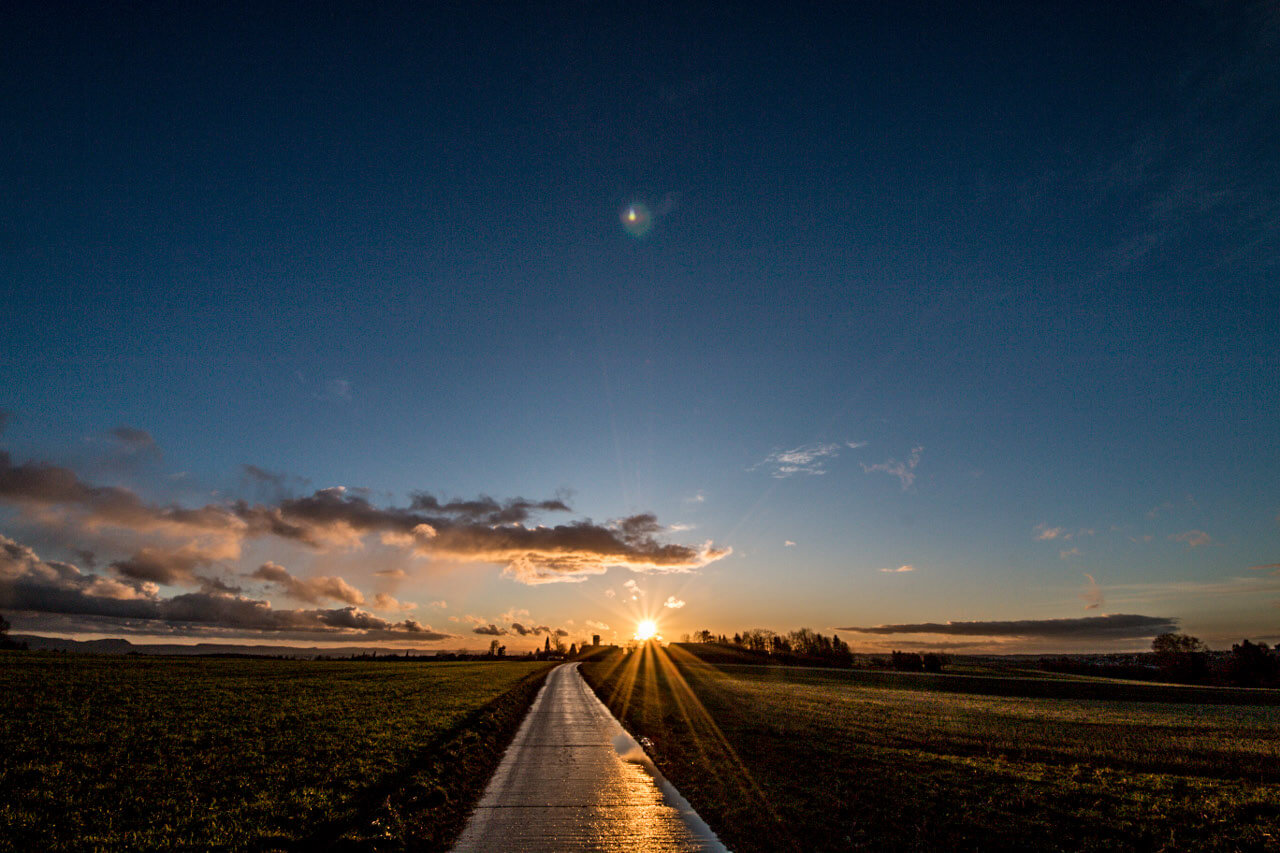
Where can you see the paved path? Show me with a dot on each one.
(574, 780)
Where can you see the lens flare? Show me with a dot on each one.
(646, 630)
(636, 219)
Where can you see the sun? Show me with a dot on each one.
(646, 630)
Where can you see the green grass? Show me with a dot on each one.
(787, 759)
(158, 753)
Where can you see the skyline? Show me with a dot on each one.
(906, 323)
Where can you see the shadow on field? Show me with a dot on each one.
(425, 804)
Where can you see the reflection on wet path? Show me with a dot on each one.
(564, 785)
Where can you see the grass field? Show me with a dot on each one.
(147, 753)
(788, 759)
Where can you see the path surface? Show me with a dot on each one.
(574, 780)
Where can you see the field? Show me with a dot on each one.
(145, 753)
(777, 758)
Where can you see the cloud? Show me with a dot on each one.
(336, 390)
(384, 602)
(134, 440)
(854, 445)
(442, 604)
(1266, 567)
(483, 530)
(696, 498)
(787, 543)
(167, 566)
(31, 584)
(673, 603)
(489, 630)
(313, 590)
(904, 471)
(1069, 553)
(1092, 594)
(904, 568)
(1193, 538)
(394, 574)
(1045, 533)
(5, 417)
(634, 589)
(610, 593)
(808, 459)
(92, 507)
(1118, 626)
(599, 626)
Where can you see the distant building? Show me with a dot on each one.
(595, 639)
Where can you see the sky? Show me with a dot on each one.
(945, 326)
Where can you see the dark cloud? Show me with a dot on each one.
(485, 509)
(30, 584)
(39, 484)
(160, 565)
(489, 630)
(471, 531)
(1117, 626)
(214, 584)
(521, 629)
(135, 440)
(5, 417)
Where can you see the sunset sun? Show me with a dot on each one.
(646, 630)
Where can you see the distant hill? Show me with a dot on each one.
(124, 647)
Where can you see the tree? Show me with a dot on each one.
(1181, 657)
(559, 645)
(546, 646)
(493, 648)
(573, 650)
(1252, 664)
(5, 641)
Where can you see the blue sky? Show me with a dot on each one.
(987, 293)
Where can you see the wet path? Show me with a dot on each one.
(564, 785)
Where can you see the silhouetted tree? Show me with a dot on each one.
(6, 642)
(907, 661)
(1181, 657)
(546, 646)
(1252, 665)
(934, 661)
(573, 650)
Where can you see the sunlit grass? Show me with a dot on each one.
(842, 765)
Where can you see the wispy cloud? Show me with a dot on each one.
(904, 471)
(900, 569)
(1045, 533)
(673, 603)
(1068, 553)
(810, 459)
(336, 390)
(1193, 538)
(1088, 627)
(1092, 594)
(787, 543)
(696, 498)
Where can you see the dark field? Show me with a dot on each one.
(146, 753)
(775, 758)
